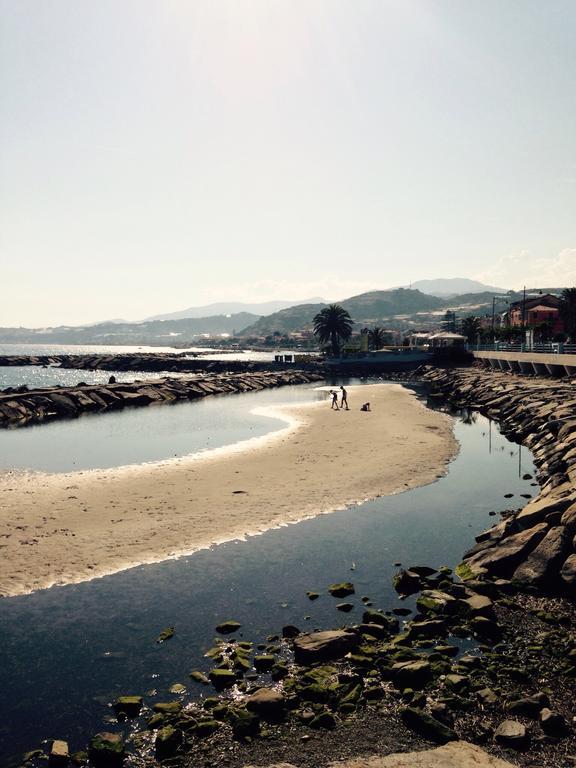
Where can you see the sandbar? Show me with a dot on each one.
(72, 527)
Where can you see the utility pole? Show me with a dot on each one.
(524, 311)
(493, 305)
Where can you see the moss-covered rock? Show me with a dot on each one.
(222, 678)
(129, 705)
(167, 743)
(106, 750)
(343, 589)
(166, 634)
(167, 707)
(228, 627)
(200, 677)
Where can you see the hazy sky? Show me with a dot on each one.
(157, 154)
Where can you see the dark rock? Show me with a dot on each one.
(426, 629)
(568, 571)
(290, 631)
(221, 678)
(341, 590)
(529, 706)
(411, 674)
(244, 723)
(407, 582)
(505, 556)
(106, 750)
(427, 726)
(345, 607)
(167, 707)
(553, 724)
(324, 720)
(200, 677)
(487, 697)
(542, 565)
(264, 662)
(371, 616)
(422, 570)
(323, 646)
(228, 627)
(267, 703)
(166, 634)
(129, 705)
(168, 742)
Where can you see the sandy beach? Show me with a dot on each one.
(64, 528)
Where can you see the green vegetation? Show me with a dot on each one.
(332, 325)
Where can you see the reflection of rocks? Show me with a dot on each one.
(18, 408)
(534, 547)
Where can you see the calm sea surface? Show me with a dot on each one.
(68, 652)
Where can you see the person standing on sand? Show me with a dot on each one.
(334, 399)
(344, 401)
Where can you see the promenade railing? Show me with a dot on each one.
(551, 348)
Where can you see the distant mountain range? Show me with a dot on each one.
(399, 308)
(234, 308)
(453, 286)
(395, 308)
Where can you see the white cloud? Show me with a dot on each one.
(524, 268)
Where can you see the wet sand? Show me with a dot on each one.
(65, 528)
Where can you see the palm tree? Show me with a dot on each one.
(471, 328)
(333, 325)
(376, 338)
(568, 311)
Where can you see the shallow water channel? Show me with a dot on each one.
(68, 652)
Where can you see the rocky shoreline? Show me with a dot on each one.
(536, 547)
(20, 406)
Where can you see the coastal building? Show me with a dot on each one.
(543, 309)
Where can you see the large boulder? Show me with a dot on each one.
(505, 556)
(322, 646)
(569, 518)
(542, 565)
(538, 510)
(267, 703)
(568, 571)
(411, 674)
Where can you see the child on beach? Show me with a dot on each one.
(334, 399)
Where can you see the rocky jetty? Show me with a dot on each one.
(148, 361)
(21, 406)
(535, 547)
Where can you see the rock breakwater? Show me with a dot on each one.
(20, 406)
(149, 361)
(534, 547)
